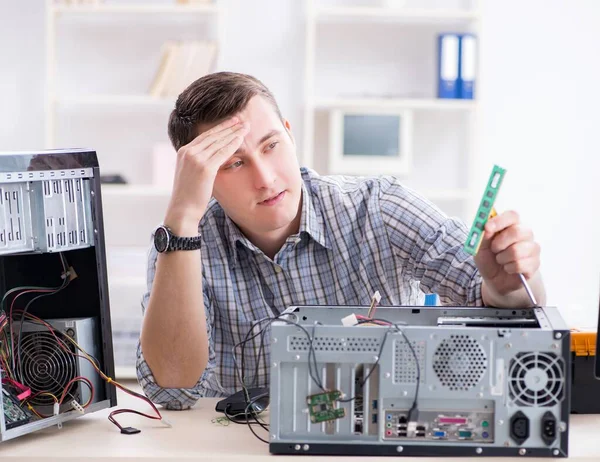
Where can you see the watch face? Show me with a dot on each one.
(161, 239)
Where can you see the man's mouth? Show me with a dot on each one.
(273, 199)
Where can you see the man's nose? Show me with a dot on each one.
(264, 175)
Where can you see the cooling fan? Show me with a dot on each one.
(46, 366)
(536, 379)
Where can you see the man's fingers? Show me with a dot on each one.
(518, 251)
(211, 150)
(527, 267)
(225, 152)
(226, 124)
(215, 141)
(502, 221)
(509, 236)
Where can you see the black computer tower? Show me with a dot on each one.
(53, 281)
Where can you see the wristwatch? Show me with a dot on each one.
(166, 241)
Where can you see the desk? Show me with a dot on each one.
(193, 435)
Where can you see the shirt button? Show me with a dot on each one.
(278, 269)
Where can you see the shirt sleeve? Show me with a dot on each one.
(174, 398)
(430, 245)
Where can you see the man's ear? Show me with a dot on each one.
(288, 129)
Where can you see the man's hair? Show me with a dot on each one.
(212, 99)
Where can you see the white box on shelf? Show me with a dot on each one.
(164, 159)
(369, 141)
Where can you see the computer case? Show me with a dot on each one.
(51, 216)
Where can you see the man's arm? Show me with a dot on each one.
(174, 340)
(429, 246)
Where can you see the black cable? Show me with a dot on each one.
(255, 418)
(261, 331)
(413, 408)
(260, 350)
(348, 400)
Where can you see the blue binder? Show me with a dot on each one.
(448, 65)
(468, 64)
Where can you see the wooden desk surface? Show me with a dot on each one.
(195, 436)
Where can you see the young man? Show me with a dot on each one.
(248, 233)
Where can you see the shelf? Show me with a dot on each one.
(421, 15)
(115, 100)
(126, 190)
(133, 8)
(397, 103)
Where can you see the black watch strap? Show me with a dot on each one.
(166, 241)
(184, 243)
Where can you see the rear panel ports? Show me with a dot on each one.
(519, 427)
(549, 428)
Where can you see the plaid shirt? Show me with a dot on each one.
(357, 235)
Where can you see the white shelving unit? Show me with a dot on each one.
(131, 211)
(360, 23)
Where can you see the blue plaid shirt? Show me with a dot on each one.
(357, 236)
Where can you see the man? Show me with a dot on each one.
(248, 233)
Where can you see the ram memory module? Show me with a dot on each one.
(486, 208)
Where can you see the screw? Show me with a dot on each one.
(274, 364)
(297, 357)
(522, 452)
(399, 449)
(274, 340)
(558, 335)
(501, 422)
(562, 427)
(297, 447)
(387, 375)
(404, 393)
(508, 346)
(92, 193)
(273, 437)
(480, 395)
(306, 447)
(507, 444)
(478, 450)
(375, 358)
(555, 452)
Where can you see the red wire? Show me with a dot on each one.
(117, 385)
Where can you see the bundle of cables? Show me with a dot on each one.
(11, 364)
(259, 328)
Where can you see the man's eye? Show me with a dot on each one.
(233, 165)
(272, 145)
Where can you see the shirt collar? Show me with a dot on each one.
(311, 223)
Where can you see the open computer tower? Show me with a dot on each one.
(54, 317)
(437, 381)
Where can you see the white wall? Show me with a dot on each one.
(540, 109)
(541, 101)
